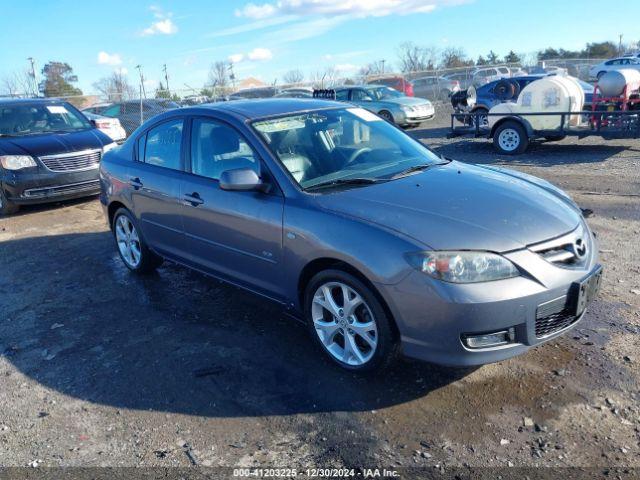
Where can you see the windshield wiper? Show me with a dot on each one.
(417, 168)
(345, 181)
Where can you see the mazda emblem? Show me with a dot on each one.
(580, 248)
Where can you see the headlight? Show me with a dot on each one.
(463, 266)
(406, 108)
(108, 147)
(17, 162)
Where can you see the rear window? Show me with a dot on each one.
(31, 119)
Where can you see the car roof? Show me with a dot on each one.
(29, 101)
(268, 107)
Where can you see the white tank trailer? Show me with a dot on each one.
(613, 83)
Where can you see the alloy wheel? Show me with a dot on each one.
(128, 241)
(344, 323)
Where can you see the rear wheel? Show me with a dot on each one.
(131, 246)
(7, 207)
(510, 138)
(348, 322)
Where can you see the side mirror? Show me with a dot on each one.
(241, 179)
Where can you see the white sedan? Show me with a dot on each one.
(614, 64)
(110, 126)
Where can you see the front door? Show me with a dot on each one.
(236, 235)
(155, 180)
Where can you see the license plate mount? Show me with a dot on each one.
(587, 289)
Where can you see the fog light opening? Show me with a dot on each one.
(492, 339)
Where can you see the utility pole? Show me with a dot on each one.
(383, 62)
(33, 76)
(620, 44)
(232, 76)
(166, 76)
(144, 93)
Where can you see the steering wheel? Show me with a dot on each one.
(356, 154)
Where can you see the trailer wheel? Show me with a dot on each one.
(510, 138)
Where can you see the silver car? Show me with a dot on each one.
(388, 103)
(358, 230)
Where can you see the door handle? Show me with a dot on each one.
(135, 182)
(193, 199)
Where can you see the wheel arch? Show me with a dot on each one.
(112, 209)
(329, 263)
(524, 123)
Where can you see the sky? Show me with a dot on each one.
(266, 38)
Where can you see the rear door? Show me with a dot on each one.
(232, 234)
(155, 179)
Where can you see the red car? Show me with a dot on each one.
(397, 83)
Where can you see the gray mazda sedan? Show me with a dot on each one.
(378, 244)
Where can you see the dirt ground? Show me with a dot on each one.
(102, 368)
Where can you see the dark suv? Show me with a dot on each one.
(48, 151)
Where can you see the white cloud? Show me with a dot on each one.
(236, 57)
(355, 8)
(112, 59)
(162, 26)
(260, 54)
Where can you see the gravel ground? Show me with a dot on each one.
(102, 368)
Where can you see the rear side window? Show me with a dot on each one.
(163, 145)
(342, 95)
(216, 147)
(112, 111)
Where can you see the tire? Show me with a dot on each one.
(484, 120)
(146, 261)
(554, 138)
(7, 207)
(337, 328)
(386, 115)
(510, 138)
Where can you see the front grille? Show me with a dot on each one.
(74, 161)
(553, 316)
(570, 250)
(92, 185)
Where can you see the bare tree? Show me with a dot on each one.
(414, 58)
(372, 69)
(454, 57)
(324, 78)
(293, 77)
(19, 84)
(10, 86)
(218, 75)
(116, 88)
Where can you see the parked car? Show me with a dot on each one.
(480, 100)
(97, 108)
(295, 92)
(388, 103)
(397, 83)
(49, 151)
(463, 79)
(258, 92)
(110, 126)
(130, 115)
(434, 87)
(482, 76)
(596, 71)
(378, 244)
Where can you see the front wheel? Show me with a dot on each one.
(7, 207)
(510, 138)
(387, 116)
(131, 246)
(348, 322)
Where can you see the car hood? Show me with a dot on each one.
(460, 206)
(405, 101)
(53, 143)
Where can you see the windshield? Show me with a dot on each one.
(341, 144)
(17, 120)
(381, 93)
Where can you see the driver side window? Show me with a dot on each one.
(216, 147)
(360, 95)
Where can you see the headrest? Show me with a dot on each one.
(224, 140)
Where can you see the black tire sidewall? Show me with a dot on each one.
(386, 116)
(388, 346)
(524, 139)
(149, 261)
(7, 207)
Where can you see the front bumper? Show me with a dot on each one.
(31, 186)
(415, 118)
(434, 317)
